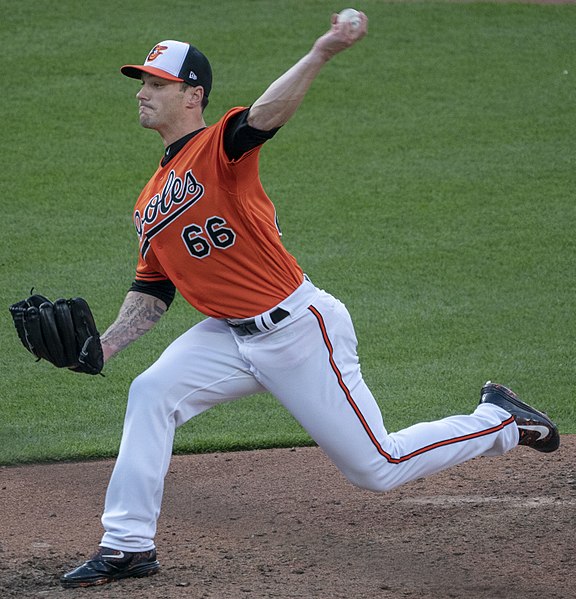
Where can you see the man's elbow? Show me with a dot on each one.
(264, 120)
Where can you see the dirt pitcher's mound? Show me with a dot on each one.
(285, 524)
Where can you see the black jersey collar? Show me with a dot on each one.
(176, 146)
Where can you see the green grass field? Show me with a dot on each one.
(428, 181)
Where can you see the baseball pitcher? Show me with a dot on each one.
(207, 228)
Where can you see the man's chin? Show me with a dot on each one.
(146, 121)
(146, 124)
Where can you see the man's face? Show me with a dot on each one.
(160, 102)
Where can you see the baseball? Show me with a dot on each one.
(349, 15)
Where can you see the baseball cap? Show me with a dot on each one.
(175, 61)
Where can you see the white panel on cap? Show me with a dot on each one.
(168, 56)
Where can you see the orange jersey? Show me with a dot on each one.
(206, 223)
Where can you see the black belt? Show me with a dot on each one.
(248, 327)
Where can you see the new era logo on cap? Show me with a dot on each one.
(175, 61)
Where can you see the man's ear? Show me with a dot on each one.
(194, 96)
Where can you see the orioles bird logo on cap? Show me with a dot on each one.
(156, 52)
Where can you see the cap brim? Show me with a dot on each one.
(135, 72)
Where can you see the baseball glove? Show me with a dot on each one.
(63, 333)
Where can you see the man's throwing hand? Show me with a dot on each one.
(342, 35)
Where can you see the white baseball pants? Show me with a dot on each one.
(309, 362)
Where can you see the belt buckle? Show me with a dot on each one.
(244, 328)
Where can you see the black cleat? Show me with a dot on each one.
(536, 429)
(108, 565)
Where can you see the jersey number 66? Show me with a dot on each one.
(200, 240)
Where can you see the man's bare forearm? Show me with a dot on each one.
(138, 314)
(281, 100)
(283, 97)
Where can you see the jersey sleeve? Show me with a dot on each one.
(152, 280)
(149, 270)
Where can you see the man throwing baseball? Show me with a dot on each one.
(207, 228)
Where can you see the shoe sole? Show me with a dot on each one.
(508, 395)
(137, 572)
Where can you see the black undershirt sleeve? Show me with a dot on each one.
(240, 137)
(163, 290)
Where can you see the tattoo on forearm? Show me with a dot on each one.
(138, 314)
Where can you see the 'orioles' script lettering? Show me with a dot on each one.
(176, 197)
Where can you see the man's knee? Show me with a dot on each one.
(146, 391)
(371, 479)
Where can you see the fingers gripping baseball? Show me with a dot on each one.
(63, 333)
(344, 32)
